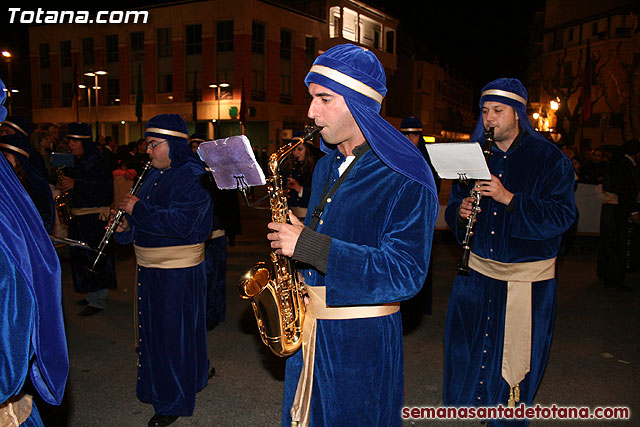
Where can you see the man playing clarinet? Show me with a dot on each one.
(500, 316)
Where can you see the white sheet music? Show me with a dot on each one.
(458, 160)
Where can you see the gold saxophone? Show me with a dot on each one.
(276, 294)
(63, 201)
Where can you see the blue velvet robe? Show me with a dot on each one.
(175, 209)
(381, 223)
(542, 180)
(31, 324)
(93, 187)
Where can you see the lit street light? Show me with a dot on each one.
(95, 75)
(218, 86)
(9, 89)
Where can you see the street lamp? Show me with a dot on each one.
(9, 89)
(81, 86)
(218, 86)
(95, 75)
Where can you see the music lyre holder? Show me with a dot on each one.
(233, 165)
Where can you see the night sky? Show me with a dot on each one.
(482, 41)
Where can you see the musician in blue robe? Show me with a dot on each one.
(21, 126)
(90, 184)
(369, 251)
(500, 317)
(18, 152)
(32, 331)
(167, 222)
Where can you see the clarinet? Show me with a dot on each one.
(118, 217)
(463, 265)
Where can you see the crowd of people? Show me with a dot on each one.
(360, 229)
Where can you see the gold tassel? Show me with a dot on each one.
(517, 393)
(512, 403)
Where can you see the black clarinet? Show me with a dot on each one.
(118, 218)
(463, 265)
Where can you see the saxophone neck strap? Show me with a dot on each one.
(326, 196)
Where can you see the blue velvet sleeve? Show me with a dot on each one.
(17, 311)
(176, 219)
(550, 210)
(395, 268)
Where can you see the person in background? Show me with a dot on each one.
(413, 309)
(298, 178)
(91, 190)
(620, 211)
(18, 152)
(500, 316)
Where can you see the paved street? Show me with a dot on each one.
(594, 359)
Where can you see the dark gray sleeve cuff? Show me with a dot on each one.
(512, 204)
(313, 248)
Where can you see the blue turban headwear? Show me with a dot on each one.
(510, 92)
(3, 96)
(197, 137)
(411, 125)
(82, 132)
(18, 124)
(356, 74)
(172, 128)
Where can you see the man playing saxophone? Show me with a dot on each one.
(90, 187)
(369, 250)
(167, 222)
(500, 317)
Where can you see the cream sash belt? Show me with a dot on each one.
(516, 351)
(317, 309)
(104, 212)
(170, 256)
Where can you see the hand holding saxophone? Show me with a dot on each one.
(285, 236)
(65, 183)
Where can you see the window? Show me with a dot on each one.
(310, 50)
(65, 53)
(257, 37)
(570, 35)
(164, 42)
(285, 88)
(45, 95)
(67, 94)
(370, 32)
(390, 41)
(113, 90)
(136, 59)
(350, 24)
(224, 41)
(88, 57)
(137, 46)
(594, 28)
(285, 44)
(44, 55)
(111, 42)
(165, 83)
(194, 39)
(334, 22)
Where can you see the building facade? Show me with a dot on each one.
(262, 50)
(589, 66)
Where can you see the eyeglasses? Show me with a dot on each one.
(154, 145)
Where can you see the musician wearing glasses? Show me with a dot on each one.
(501, 313)
(368, 249)
(167, 222)
(90, 186)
